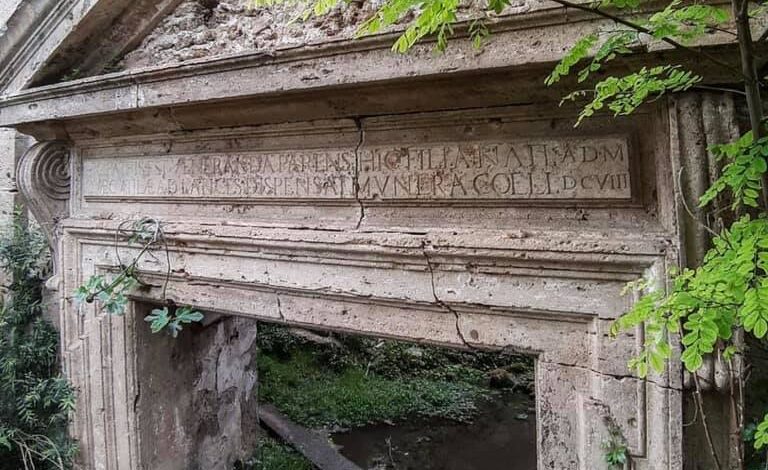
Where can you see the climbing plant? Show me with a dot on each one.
(35, 400)
(112, 293)
(706, 307)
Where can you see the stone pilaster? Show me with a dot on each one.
(698, 121)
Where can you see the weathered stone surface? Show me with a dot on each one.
(534, 279)
(330, 187)
(199, 29)
(595, 168)
(197, 396)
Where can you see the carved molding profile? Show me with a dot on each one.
(44, 181)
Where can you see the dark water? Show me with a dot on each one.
(501, 437)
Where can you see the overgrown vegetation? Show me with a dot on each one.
(615, 449)
(272, 455)
(346, 381)
(35, 400)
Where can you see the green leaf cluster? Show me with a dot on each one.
(35, 400)
(623, 95)
(685, 23)
(704, 306)
(160, 319)
(111, 294)
(743, 172)
(761, 434)
(615, 452)
(432, 17)
(580, 50)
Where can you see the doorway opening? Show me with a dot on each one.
(387, 404)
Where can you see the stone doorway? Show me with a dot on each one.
(543, 278)
(385, 404)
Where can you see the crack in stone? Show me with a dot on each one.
(441, 303)
(356, 176)
(279, 307)
(619, 377)
(137, 397)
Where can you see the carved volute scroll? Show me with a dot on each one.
(44, 180)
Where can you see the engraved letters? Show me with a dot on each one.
(567, 168)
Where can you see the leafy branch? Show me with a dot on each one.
(112, 294)
(761, 434)
(162, 318)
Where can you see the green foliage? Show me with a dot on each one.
(479, 33)
(272, 455)
(615, 452)
(310, 394)
(35, 400)
(578, 51)
(432, 17)
(620, 4)
(112, 294)
(354, 381)
(743, 173)
(160, 319)
(623, 95)
(761, 434)
(685, 23)
(729, 290)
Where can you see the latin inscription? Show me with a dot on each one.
(530, 169)
(301, 174)
(568, 169)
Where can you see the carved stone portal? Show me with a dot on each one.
(488, 229)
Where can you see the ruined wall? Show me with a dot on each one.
(12, 144)
(205, 408)
(206, 28)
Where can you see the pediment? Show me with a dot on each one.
(48, 41)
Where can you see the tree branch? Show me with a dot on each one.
(642, 29)
(700, 402)
(751, 80)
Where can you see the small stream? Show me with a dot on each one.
(501, 437)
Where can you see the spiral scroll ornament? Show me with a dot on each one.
(44, 179)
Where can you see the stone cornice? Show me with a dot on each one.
(615, 254)
(538, 38)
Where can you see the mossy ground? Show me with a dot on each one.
(303, 388)
(272, 455)
(353, 381)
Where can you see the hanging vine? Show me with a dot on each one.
(112, 293)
